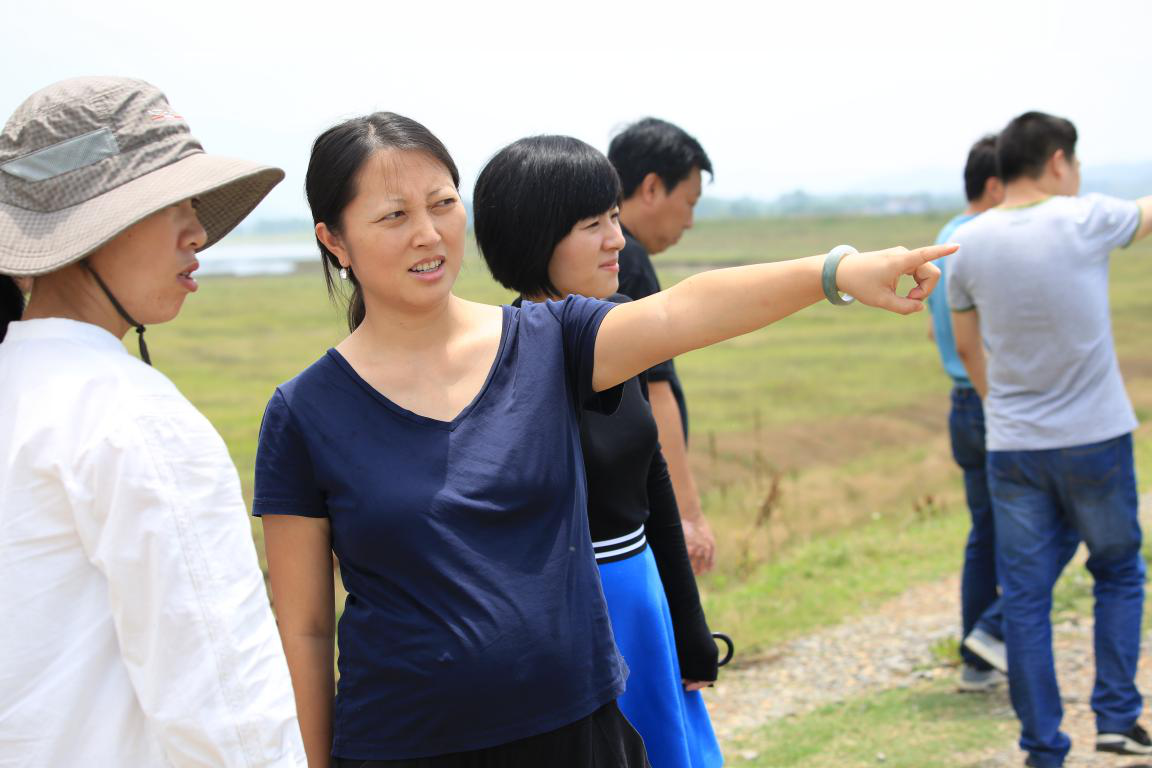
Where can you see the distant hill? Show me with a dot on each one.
(801, 203)
(1119, 180)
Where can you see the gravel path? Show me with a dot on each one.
(1075, 669)
(893, 647)
(889, 648)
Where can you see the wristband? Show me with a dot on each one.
(828, 275)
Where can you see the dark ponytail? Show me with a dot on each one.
(11, 303)
(337, 156)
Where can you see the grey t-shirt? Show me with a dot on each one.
(1039, 278)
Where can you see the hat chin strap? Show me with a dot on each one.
(127, 317)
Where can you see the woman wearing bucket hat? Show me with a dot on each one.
(437, 451)
(137, 630)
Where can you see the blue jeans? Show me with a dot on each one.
(1045, 502)
(979, 591)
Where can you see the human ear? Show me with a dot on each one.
(652, 187)
(331, 240)
(993, 190)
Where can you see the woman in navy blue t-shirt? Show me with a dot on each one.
(436, 450)
(572, 194)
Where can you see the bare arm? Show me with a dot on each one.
(723, 303)
(300, 568)
(1145, 227)
(697, 533)
(970, 348)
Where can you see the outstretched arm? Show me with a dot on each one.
(723, 303)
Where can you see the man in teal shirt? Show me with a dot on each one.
(983, 652)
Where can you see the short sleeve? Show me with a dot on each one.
(285, 477)
(1107, 223)
(957, 294)
(580, 319)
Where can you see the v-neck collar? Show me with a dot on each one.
(418, 418)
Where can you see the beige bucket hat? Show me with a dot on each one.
(84, 159)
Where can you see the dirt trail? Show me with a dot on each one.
(892, 648)
(1075, 669)
(889, 648)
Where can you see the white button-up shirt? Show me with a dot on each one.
(134, 626)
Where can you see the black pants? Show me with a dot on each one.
(604, 739)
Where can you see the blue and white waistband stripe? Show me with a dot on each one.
(620, 547)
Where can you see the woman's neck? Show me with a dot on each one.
(392, 328)
(72, 294)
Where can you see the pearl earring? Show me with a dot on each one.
(343, 273)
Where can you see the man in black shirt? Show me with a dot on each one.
(661, 168)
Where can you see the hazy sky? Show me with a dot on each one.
(827, 96)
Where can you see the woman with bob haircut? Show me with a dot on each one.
(436, 450)
(137, 631)
(571, 193)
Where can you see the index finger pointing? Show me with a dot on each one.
(928, 253)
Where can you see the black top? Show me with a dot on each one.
(629, 488)
(637, 280)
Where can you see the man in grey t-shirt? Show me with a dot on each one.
(1029, 297)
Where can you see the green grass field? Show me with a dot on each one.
(820, 445)
(926, 725)
(829, 424)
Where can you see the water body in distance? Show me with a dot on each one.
(257, 258)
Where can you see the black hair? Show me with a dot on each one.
(981, 166)
(655, 146)
(11, 303)
(1026, 144)
(528, 198)
(337, 156)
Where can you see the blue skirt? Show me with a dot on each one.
(674, 723)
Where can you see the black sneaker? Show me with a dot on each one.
(1135, 741)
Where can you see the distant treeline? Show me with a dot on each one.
(798, 203)
(1127, 181)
